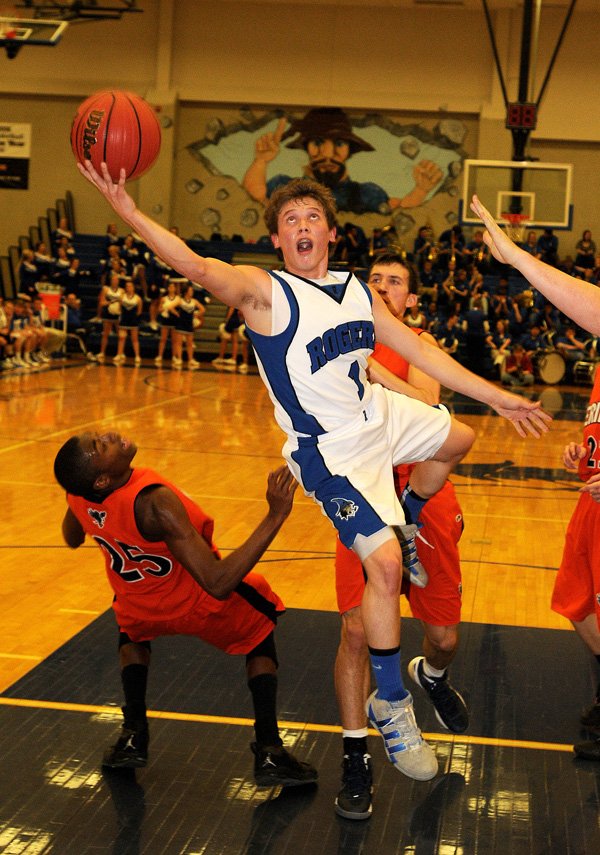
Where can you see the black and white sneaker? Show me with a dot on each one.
(410, 559)
(273, 766)
(450, 708)
(354, 799)
(130, 750)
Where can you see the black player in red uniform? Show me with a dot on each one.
(168, 579)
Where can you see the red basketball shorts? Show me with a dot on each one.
(235, 625)
(577, 587)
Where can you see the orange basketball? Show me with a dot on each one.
(119, 128)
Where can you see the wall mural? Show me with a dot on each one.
(384, 171)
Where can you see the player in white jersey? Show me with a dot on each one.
(343, 435)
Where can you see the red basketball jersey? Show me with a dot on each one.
(147, 580)
(591, 434)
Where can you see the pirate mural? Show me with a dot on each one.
(326, 135)
(385, 171)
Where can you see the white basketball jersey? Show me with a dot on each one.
(316, 368)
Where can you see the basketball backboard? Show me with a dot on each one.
(15, 33)
(539, 191)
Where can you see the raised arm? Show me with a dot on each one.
(162, 516)
(233, 285)
(526, 416)
(578, 299)
(417, 385)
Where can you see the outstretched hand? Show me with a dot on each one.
(526, 416)
(281, 487)
(115, 194)
(502, 247)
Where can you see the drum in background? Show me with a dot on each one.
(549, 367)
(584, 372)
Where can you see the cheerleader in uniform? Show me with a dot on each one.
(167, 316)
(110, 311)
(191, 313)
(131, 309)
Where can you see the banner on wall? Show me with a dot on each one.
(15, 149)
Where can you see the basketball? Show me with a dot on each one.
(119, 128)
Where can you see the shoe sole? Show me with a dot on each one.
(414, 677)
(348, 814)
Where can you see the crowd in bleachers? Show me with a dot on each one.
(477, 309)
(485, 315)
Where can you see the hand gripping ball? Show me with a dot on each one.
(119, 128)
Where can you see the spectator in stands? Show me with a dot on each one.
(518, 368)
(133, 260)
(530, 244)
(168, 314)
(570, 345)
(63, 231)
(110, 311)
(533, 342)
(429, 285)
(449, 300)
(157, 277)
(49, 339)
(28, 275)
(61, 269)
(567, 265)
(448, 336)
(500, 304)
(452, 244)
(498, 341)
(43, 261)
(478, 289)
(519, 312)
(63, 243)
(229, 331)
(112, 238)
(423, 248)
(74, 316)
(415, 316)
(129, 321)
(547, 247)
(378, 243)
(6, 348)
(476, 328)
(586, 253)
(477, 252)
(191, 314)
(20, 334)
(357, 246)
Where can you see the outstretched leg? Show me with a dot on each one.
(131, 749)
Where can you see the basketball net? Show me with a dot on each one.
(515, 226)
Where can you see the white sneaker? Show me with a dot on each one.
(137, 360)
(158, 360)
(193, 364)
(177, 360)
(218, 361)
(19, 362)
(99, 357)
(402, 739)
(243, 368)
(118, 359)
(229, 361)
(176, 364)
(8, 364)
(43, 357)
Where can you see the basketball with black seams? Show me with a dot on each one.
(119, 128)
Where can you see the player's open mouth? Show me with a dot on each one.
(304, 245)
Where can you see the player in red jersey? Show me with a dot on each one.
(437, 605)
(576, 593)
(169, 579)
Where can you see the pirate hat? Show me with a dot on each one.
(327, 123)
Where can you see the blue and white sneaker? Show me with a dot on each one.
(402, 739)
(408, 542)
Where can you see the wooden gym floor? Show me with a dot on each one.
(510, 785)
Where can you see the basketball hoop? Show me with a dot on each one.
(515, 225)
